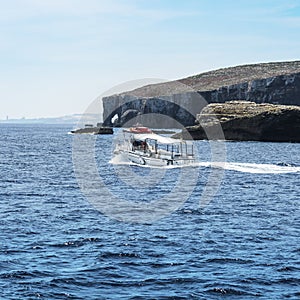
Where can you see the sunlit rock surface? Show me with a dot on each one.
(182, 100)
(246, 121)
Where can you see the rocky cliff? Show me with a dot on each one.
(246, 121)
(182, 100)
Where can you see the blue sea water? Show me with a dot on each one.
(54, 244)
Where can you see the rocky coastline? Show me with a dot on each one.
(182, 100)
(258, 102)
(246, 121)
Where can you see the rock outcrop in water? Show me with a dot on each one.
(93, 130)
(182, 100)
(247, 121)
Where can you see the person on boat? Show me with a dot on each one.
(144, 146)
(137, 144)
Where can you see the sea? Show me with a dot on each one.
(77, 223)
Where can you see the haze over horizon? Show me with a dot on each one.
(58, 56)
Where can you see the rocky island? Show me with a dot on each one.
(276, 83)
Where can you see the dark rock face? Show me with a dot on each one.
(149, 111)
(128, 115)
(93, 130)
(284, 89)
(248, 121)
(182, 100)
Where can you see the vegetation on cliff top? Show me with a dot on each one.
(213, 80)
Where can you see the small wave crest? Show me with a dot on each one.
(229, 291)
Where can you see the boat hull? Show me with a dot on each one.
(144, 160)
(137, 159)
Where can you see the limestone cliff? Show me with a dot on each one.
(182, 100)
(246, 121)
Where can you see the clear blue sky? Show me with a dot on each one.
(57, 56)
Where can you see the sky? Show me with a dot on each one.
(58, 56)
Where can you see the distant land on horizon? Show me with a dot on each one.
(73, 119)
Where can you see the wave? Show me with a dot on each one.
(226, 260)
(76, 243)
(253, 167)
(231, 292)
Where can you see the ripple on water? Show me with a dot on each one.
(54, 245)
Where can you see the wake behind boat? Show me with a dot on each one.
(141, 146)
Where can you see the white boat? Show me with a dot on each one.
(143, 147)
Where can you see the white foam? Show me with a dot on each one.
(119, 160)
(255, 168)
(234, 166)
